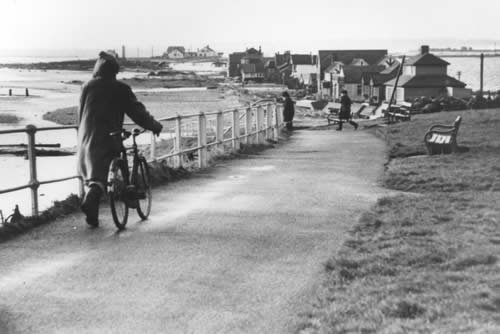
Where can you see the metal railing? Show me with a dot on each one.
(34, 183)
(259, 124)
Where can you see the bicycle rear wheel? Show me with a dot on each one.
(143, 186)
(117, 191)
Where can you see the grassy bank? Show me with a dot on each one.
(426, 260)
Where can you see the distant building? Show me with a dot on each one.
(426, 75)
(248, 65)
(175, 52)
(297, 70)
(190, 54)
(332, 76)
(206, 52)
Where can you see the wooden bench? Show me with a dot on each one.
(398, 114)
(442, 138)
(333, 116)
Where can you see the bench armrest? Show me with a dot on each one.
(443, 127)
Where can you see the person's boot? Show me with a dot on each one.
(339, 128)
(90, 205)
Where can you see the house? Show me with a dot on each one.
(175, 52)
(356, 80)
(374, 83)
(190, 54)
(331, 74)
(296, 70)
(206, 52)
(426, 75)
(248, 65)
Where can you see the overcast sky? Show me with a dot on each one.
(227, 25)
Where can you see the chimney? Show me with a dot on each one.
(424, 49)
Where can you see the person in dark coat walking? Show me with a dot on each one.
(104, 102)
(288, 111)
(345, 111)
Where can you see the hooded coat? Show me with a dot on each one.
(345, 107)
(104, 102)
(288, 110)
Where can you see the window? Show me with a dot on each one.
(359, 90)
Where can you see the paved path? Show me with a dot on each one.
(235, 249)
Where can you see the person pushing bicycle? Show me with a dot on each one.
(104, 102)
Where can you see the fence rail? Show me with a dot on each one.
(259, 124)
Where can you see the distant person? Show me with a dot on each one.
(104, 101)
(288, 111)
(345, 111)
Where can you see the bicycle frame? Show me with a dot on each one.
(135, 153)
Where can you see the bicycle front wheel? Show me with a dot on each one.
(117, 192)
(143, 186)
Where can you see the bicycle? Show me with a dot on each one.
(129, 189)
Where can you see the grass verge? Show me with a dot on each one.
(424, 261)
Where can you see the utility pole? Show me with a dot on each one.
(481, 76)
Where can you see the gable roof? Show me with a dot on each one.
(427, 59)
(424, 81)
(392, 69)
(347, 56)
(207, 49)
(172, 48)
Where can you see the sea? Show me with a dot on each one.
(51, 90)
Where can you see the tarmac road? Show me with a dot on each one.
(235, 249)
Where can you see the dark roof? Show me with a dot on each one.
(253, 51)
(347, 56)
(304, 59)
(426, 59)
(423, 81)
(172, 48)
(353, 74)
(381, 78)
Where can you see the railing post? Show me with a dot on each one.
(276, 121)
(178, 141)
(269, 121)
(202, 140)
(219, 130)
(31, 130)
(248, 126)
(236, 129)
(152, 147)
(259, 121)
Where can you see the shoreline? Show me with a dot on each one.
(131, 64)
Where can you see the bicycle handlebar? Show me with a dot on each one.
(126, 134)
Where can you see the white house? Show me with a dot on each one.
(426, 75)
(206, 52)
(175, 52)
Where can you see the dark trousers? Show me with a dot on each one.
(350, 121)
(289, 125)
